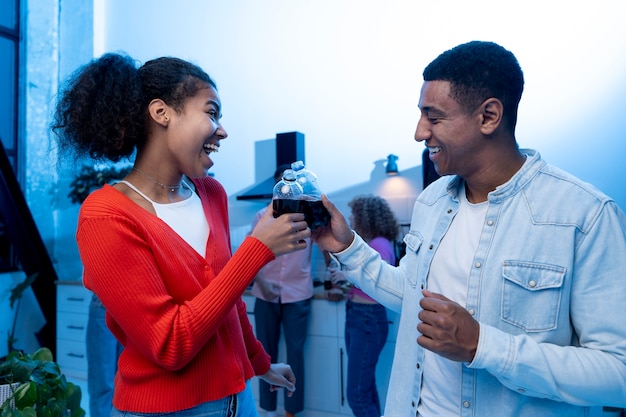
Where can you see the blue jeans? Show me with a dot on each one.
(366, 333)
(238, 405)
(103, 350)
(295, 322)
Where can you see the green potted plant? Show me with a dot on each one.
(92, 177)
(37, 387)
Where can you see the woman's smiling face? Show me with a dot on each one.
(196, 132)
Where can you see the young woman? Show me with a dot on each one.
(366, 321)
(156, 246)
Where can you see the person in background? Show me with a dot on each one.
(283, 289)
(103, 351)
(367, 326)
(156, 246)
(511, 292)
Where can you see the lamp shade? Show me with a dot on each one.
(392, 166)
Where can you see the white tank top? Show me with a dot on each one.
(185, 217)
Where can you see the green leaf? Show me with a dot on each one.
(74, 396)
(26, 395)
(44, 411)
(27, 412)
(43, 354)
(56, 407)
(44, 393)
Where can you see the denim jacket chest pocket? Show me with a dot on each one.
(413, 243)
(531, 295)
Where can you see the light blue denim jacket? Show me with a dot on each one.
(547, 285)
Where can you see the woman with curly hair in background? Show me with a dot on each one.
(366, 321)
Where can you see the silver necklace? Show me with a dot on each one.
(172, 188)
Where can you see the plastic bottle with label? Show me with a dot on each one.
(314, 210)
(287, 195)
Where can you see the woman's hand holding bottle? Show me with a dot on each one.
(284, 234)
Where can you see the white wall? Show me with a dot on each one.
(347, 74)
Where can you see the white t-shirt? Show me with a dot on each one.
(449, 275)
(185, 217)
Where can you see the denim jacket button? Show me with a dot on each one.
(466, 404)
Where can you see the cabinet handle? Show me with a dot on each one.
(343, 399)
(81, 299)
(75, 355)
(73, 327)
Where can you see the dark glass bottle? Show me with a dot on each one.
(287, 195)
(314, 210)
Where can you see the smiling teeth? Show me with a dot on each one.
(434, 149)
(211, 147)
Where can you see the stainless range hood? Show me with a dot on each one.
(289, 148)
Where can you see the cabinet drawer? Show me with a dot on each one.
(72, 355)
(73, 298)
(72, 326)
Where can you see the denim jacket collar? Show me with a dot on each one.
(529, 169)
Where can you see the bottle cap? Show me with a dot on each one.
(297, 166)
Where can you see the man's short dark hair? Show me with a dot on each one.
(477, 71)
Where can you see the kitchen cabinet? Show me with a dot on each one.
(72, 314)
(326, 360)
(325, 352)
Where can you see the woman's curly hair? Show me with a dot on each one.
(102, 110)
(372, 217)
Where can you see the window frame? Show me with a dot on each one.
(12, 117)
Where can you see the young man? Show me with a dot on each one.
(512, 289)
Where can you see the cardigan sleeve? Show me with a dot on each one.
(259, 359)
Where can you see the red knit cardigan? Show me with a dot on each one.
(180, 317)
